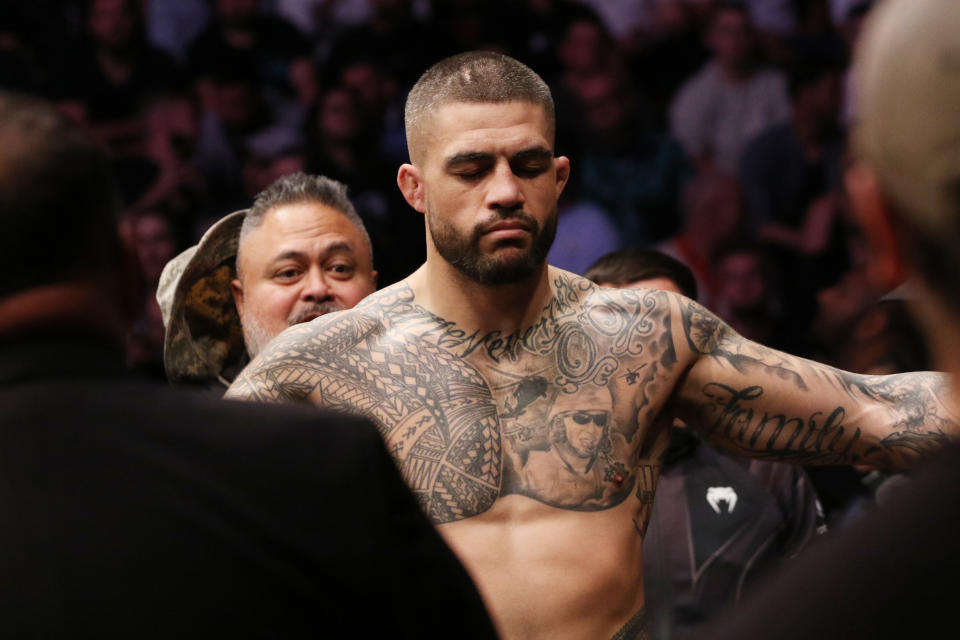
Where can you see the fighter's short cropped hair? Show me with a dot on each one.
(475, 76)
(58, 198)
(297, 188)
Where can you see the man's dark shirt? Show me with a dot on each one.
(890, 574)
(719, 524)
(131, 510)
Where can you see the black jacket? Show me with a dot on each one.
(720, 523)
(135, 511)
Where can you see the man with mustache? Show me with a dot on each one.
(299, 252)
(464, 364)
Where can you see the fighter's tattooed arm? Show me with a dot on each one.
(764, 403)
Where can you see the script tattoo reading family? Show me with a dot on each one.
(569, 412)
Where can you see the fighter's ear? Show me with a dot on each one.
(561, 166)
(886, 266)
(411, 186)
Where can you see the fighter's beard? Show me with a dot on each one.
(465, 255)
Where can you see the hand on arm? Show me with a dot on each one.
(762, 403)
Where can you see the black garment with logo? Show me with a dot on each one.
(892, 573)
(718, 524)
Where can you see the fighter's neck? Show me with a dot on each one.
(451, 295)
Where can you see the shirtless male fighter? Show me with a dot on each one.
(526, 407)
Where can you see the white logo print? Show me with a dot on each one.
(716, 495)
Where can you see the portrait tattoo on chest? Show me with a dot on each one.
(555, 412)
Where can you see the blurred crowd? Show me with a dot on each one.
(713, 131)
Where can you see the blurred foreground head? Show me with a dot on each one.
(58, 202)
(906, 184)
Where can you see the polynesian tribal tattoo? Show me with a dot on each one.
(550, 412)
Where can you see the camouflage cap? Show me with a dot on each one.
(204, 339)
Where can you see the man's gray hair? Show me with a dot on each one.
(475, 76)
(297, 188)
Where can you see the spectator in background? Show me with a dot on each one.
(377, 95)
(276, 53)
(535, 29)
(173, 24)
(673, 51)
(719, 523)
(395, 34)
(234, 111)
(747, 296)
(585, 51)
(791, 182)
(114, 72)
(19, 68)
(340, 146)
(269, 158)
(629, 168)
(154, 243)
(732, 98)
(712, 217)
(172, 130)
(790, 171)
(623, 19)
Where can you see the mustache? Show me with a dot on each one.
(503, 215)
(312, 311)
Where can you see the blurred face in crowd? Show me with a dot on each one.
(369, 83)
(236, 11)
(260, 172)
(713, 206)
(604, 103)
(173, 129)
(112, 23)
(154, 243)
(303, 261)
(235, 103)
(824, 98)
(488, 185)
(743, 281)
(582, 47)
(338, 116)
(731, 39)
(670, 15)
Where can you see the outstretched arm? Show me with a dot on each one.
(760, 402)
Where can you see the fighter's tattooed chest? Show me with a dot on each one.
(552, 413)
